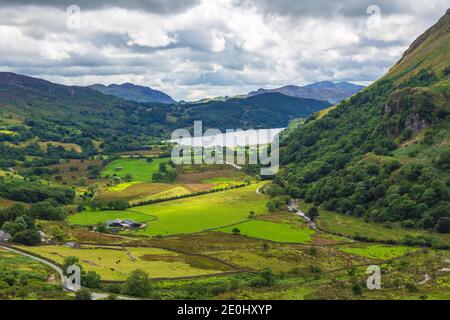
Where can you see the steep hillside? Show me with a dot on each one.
(384, 154)
(70, 114)
(324, 90)
(129, 91)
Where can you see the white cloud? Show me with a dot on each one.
(206, 48)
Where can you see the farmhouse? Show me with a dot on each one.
(114, 223)
(123, 224)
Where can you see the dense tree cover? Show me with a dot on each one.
(344, 161)
(19, 221)
(48, 210)
(116, 204)
(35, 191)
(20, 224)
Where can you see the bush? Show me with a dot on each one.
(264, 279)
(91, 279)
(313, 213)
(83, 294)
(137, 284)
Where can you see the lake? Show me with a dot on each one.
(231, 139)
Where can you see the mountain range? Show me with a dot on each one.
(324, 90)
(73, 114)
(130, 91)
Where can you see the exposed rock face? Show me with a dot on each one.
(415, 124)
(411, 109)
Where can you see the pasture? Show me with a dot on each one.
(188, 215)
(116, 263)
(277, 232)
(139, 169)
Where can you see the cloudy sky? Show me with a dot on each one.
(194, 49)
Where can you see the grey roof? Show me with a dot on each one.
(127, 221)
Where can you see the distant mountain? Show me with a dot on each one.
(129, 91)
(74, 114)
(324, 90)
(269, 110)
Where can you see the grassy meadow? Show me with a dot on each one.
(139, 169)
(277, 232)
(187, 215)
(116, 263)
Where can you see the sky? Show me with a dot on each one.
(194, 49)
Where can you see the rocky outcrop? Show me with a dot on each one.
(409, 108)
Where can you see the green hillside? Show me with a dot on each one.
(34, 108)
(384, 154)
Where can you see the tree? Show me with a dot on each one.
(443, 160)
(27, 237)
(264, 279)
(101, 228)
(91, 279)
(58, 233)
(137, 284)
(236, 231)
(443, 225)
(313, 213)
(69, 261)
(83, 294)
(81, 182)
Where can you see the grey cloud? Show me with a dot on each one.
(156, 6)
(347, 8)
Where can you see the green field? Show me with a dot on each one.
(187, 215)
(176, 191)
(139, 169)
(114, 263)
(277, 232)
(378, 251)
